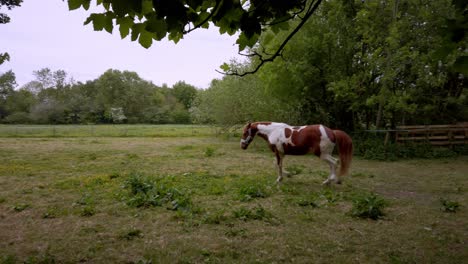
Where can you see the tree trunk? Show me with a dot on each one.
(379, 115)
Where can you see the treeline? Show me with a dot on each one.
(115, 97)
(354, 65)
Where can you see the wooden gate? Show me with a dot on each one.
(440, 135)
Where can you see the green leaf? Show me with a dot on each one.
(121, 7)
(201, 17)
(75, 4)
(207, 4)
(280, 27)
(175, 36)
(4, 57)
(99, 21)
(266, 40)
(250, 25)
(244, 42)
(147, 7)
(106, 5)
(225, 67)
(86, 4)
(136, 5)
(461, 65)
(146, 39)
(125, 24)
(136, 30)
(157, 26)
(108, 24)
(124, 7)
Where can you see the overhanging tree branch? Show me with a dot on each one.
(262, 60)
(208, 18)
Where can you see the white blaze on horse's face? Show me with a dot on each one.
(247, 137)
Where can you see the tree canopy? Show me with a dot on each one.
(148, 20)
(357, 64)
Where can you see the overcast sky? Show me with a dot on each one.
(43, 33)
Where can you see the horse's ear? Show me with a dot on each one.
(249, 124)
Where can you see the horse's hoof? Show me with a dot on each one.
(326, 183)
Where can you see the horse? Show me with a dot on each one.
(320, 140)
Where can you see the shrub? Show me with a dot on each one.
(20, 207)
(257, 213)
(252, 191)
(295, 169)
(8, 259)
(88, 210)
(136, 183)
(308, 201)
(449, 206)
(18, 118)
(132, 234)
(146, 192)
(46, 258)
(52, 212)
(209, 152)
(85, 199)
(368, 206)
(372, 147)
(330, 196)
(214, 218)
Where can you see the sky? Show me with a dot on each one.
(46, 34)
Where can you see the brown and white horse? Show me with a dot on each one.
(320, 140)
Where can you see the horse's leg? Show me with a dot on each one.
(279, 164)
(332, 162)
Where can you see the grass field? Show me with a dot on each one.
(20, 131)
(201, 199)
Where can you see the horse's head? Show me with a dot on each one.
(247, 135)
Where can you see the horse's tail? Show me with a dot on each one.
(345, 150)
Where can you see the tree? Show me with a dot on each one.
(148, 20)
(322, 52)
(4, 18)
(185, 93)
(234, 100)
(410, 80)
(356, 64)
(7, 86)
(125, 90)
(18, 106)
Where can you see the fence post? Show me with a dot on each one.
(450, 137)
(387, 136)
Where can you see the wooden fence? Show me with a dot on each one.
(440, 135)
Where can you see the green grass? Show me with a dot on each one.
(67, 200)
(106, 130)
